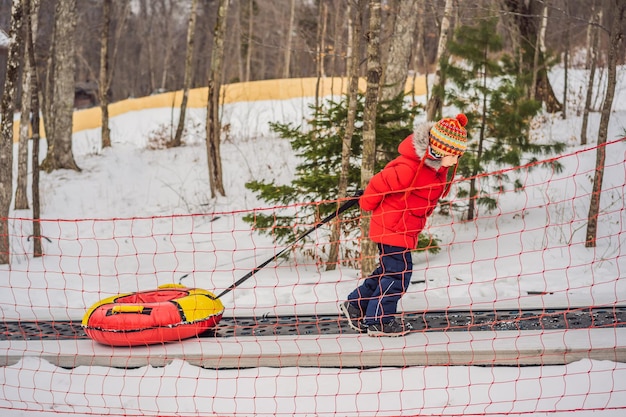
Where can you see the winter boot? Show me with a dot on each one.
(354, 316)
(393, 328)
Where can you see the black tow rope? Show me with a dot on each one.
(345, 206)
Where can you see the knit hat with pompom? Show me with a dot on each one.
(448, 136)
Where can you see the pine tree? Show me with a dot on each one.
(318, 148)
(489, 89)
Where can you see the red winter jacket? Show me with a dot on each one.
(404, 193)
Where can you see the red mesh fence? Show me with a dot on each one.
(513, 316)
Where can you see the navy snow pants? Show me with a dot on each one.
(379, 294)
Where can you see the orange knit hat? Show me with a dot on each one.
(448, 136)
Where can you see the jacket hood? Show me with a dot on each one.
(416, 145)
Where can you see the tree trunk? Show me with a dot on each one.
(337, 38)
(402, 42)
(47, 100)
(21, 191)
(372, 91)
(287, 56)
(31, 12)
(166, 51)
(526, 15)
(147, 18)
(616, 37)
(191, 29)
(473, 193)
(249, 40)
(388, 16)
(120, 10)
(7, 108)
(354, 23)
(237, 42)
(60, 154)
(321, 33)
(419, 56)
(213, 127)
(435, 102)
(104, 74)
(592, 59)
(539, 48)
(566, 42)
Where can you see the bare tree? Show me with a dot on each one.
(567, 45)
(249, 38)
(290, 29)
(21, 194)
(336, 49)
(354, 23)
(319, 53)
(525, 15)
(616, 36)
(374, 73)
(213, 126)
(61, 103)
(106, 71)
(7, 108)
(104, 74)
(146, 17)
(592, 59)
(167, 10)
(48, 83)
(419, 56)
(188, 68)
(31, 10)
(402, 42)
(435, 102)
(540, 48)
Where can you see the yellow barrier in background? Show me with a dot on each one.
(281, 89)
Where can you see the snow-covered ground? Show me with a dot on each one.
(136, 218)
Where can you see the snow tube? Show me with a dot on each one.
(170, 313)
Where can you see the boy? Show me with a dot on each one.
(401, 197)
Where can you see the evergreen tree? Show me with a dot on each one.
(490, 90)
(318, 148)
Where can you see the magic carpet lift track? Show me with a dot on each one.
(431, 321)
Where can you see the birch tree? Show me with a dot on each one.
(21, 194)
(319, 52)
(616, 35)
(435, 102)
(540, 48)
(106, 72)
(7, 108)
(166, 9)
(213, 126)
(31, 11)
(103, 84)
(249, 39)
(402, 43)
(567, 44)
(287, 56)
(526, 16)
(592, 59)
(374, 73)
(354, 42)
(191, 29)
(61, 102)
(419, 56)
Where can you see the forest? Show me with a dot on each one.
(267, 39)
(60, 55)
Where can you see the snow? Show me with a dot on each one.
(144, 218)
(4, 40)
